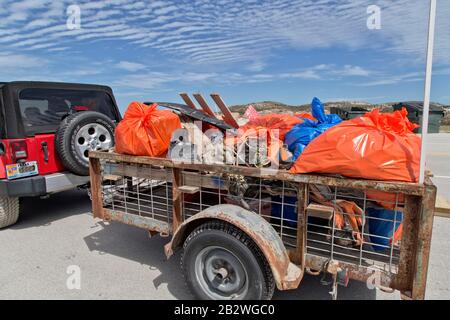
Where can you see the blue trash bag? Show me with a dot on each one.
(318, 112)
(286, 212)
(302, 134)
(382, 231)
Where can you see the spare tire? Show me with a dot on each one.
(80, 133)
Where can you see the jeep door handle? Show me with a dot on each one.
(45, 149)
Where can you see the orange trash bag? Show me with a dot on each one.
(387, 200)
(282, 122)
(145, 131)
(379, 146)
(306, 116)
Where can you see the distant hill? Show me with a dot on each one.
(265, 107)
(278, 107)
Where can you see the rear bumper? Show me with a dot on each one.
(41, 185)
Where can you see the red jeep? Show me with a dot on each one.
(46, 132)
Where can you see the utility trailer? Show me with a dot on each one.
(245, 230)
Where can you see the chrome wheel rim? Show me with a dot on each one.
(221, 274)
(92, 137)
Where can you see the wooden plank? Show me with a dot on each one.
(442, 208)
(111, 177)
(188, 100)
(194, 179)
(202, 102)
(203, 180)
(320, 211)
(127, 170)
(227, 116)
(189, 189)
(96, 187)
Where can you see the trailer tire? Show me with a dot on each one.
(9, 211)
(221, 262)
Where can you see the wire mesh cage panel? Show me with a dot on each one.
(144, 191)
(356, 226)
(361, 227)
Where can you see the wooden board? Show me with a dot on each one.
(227, 116)
(188, 100)
(442, 208)
(202, 102)
(319, 211)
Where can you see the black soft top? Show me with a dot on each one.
(55, 85)
(11, 125)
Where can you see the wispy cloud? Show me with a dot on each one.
(387, 79)
(12, 61)
(130, 66)
(154, 80)
(256, 66)
(350, 70)
(243, 31)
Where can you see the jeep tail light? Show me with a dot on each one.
(19, 150)
(2, 148)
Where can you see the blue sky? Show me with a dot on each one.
(249, 50)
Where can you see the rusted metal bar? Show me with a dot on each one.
(146, 223)
(403, 280)
(96, 187)
(355, 272)
(298, 256)
(227, 116)
(202, 102)
(188, 100)
(425, 227)
(302, 223)
(177, 199)
(387, 186)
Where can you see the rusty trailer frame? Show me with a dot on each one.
(291, 248)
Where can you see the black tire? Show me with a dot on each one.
(9, 211)
(66, 143)
(226, 241)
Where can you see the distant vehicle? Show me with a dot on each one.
(46, 132)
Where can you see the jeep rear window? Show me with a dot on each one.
(43, 109)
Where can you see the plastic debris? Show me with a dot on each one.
(302, 134)
(378, 146)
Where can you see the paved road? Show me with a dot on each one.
(121, 262)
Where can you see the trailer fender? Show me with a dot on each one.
(286, 274)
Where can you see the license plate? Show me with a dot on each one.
(21, 170)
